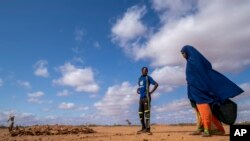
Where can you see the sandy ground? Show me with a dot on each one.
(123, 133)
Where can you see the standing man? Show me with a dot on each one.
(145, 99)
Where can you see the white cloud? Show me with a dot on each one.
(78, 60)
(63, 93)
(93, 96)
(41, 68)
(181, 111)
(219, 29)
(129, 26)
(171, 10)
(176, 105)
(79, 34)
(36, 94)
(24, 118)
(97, 45)
(82, 108)
(66, 106)
(169, 77)
(20, 118)
(246, 94)
(243, 103)
(46, 110)
(24, 84)
(178, 111)
(118, 99)
(39, 101)
(77, 50)
(4, 115)
(28, 119)
(119, 103)
(1, 82)
(72, 106)
(82, 79)
(36, 98)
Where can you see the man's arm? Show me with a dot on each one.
(155, 87)
(138, 90)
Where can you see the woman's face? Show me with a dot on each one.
(184, 55)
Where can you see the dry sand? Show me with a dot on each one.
(123, 133)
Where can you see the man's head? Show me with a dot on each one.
(144, 71)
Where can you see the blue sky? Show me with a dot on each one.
(78, 62)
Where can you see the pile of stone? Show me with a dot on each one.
(51, 130)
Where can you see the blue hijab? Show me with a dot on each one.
(206, 85)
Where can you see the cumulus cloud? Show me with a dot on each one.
(36, 94)
(219, 29)
(243, 111)
(24, 84)
(72, 106)
(174, 106)
(82, 108)
(63, 93)
(41, 68)
(37, 100)
(243, 103)
(129, 27)
(36, 97)
(246, 94)
(118, 99)
(169, 77)
(28, 119)
(172, 10)
(78, 59)
(81, 79)
(177, 111)
(20, 118)
(66, 106)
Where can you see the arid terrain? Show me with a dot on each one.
(113, 133)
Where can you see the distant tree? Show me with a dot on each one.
(129, 123)
(11, 122)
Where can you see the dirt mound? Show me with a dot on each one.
(51, 130)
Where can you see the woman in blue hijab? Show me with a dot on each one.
(206, 87)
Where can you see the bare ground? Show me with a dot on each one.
(122, 133)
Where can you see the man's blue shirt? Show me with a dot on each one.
(142, 82)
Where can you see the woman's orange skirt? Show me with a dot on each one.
(208, 120)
